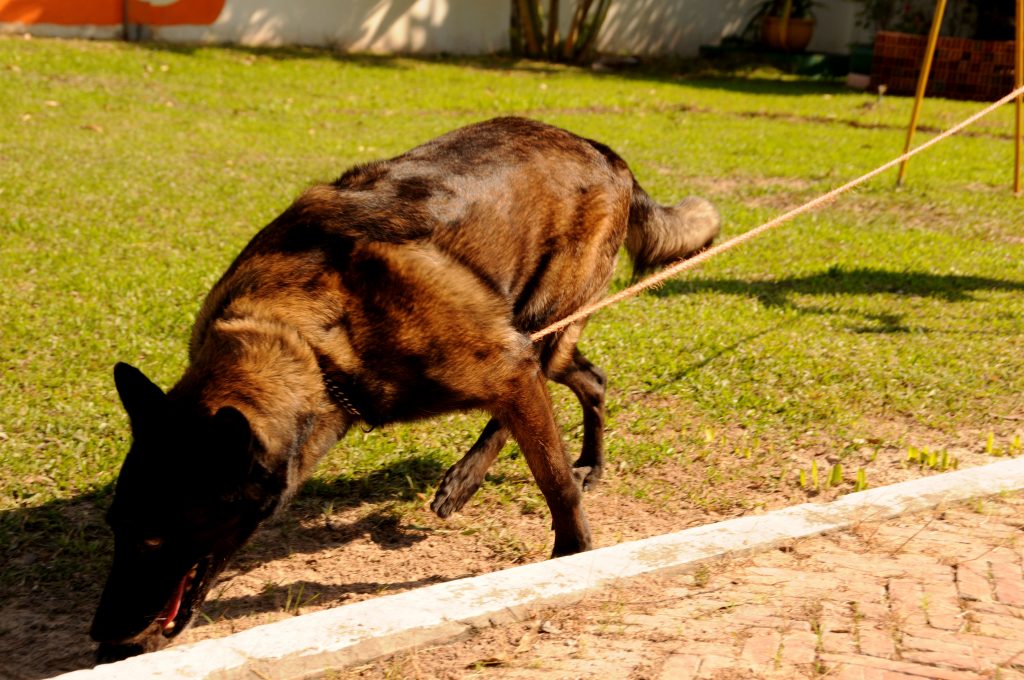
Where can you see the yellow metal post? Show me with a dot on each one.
(1019, 82)
(922, 81)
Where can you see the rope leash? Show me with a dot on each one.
(697, 260)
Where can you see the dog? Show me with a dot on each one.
(405, 289)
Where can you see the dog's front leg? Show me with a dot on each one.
(528, 415)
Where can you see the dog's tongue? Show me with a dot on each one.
(171, 612)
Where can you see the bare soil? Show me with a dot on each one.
(313, 557)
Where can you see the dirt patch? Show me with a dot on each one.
(729, 187)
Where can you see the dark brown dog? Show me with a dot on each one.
(405, 289)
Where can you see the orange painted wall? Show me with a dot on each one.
(63, 12)
(109, 12)
(196, 12)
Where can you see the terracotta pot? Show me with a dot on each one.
(796, 37)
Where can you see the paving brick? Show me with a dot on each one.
(799, 647)
(945, 618)
(839, 643)
(680, 667)
(905, 597)
(998, 626)
(929, 639)
(762, 647)
(659, 620)
(949, 658)
(972, 581)
(916, 563)
(992, 526)
(848, 672)
(871, 610)
(996, 608)
(864, 580)
(811, 586)
(835, 617)
(912, 669)
(761, 620)
(1008, 583)
(941, 602)
(893, 675)
(908, 536)
(876, 642)
(1001, 554)
(874, 566)
(710, 666)
(775, 574)
(1009, 674)
(706, 649)
(706, 631)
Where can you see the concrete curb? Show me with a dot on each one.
(357, 633)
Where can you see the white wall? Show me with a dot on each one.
(679, 27)
(644, 27)
(405, 26)
(659, 27)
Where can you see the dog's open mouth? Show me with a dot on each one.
(168, 623)
(179, 609)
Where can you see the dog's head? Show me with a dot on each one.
(191, 490)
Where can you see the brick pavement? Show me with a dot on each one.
(934, 595)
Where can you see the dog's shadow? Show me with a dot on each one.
(308, 525)
(55, 557)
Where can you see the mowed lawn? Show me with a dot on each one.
(889, 323)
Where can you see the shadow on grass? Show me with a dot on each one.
(837, 280)
(695, 72)
(55, 557)
(496, 62)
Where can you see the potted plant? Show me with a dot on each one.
(787, 24)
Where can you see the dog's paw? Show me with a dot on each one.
(587, 476)
(571, 544)
(455, 490)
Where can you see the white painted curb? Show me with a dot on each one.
(356, 633)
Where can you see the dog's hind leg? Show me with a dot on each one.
(465, 477)
(527, 414)
(587, 382)
(564, 364)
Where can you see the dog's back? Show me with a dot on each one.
(534, 213)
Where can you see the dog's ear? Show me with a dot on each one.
(231, 429)
(238, 468)
(232, 438)
(141, 398)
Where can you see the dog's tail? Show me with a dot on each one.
(660, 235)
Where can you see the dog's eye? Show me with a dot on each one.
(152, 543)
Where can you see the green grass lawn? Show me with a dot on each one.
(132, 174)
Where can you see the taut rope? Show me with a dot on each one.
(697, 260)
